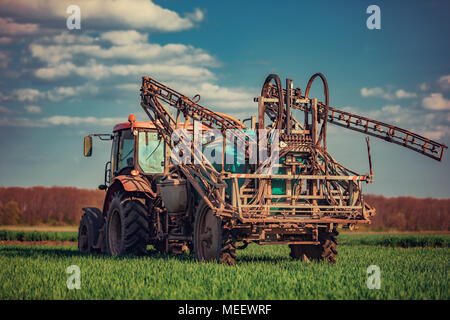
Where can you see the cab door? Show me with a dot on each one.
(123, 154)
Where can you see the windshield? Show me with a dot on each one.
(151, 152)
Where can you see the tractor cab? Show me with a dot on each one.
(137, 146)
(137, 149)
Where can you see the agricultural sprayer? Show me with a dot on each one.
(198, 180)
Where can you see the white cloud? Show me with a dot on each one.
(33, 109)
(126, 37)
(436, 101)
(55, 94)
(97, 71)
(68, 121)
(28, 94)
(139, 14)
(20, 122)
(197, 16)
(9, 27)
(386, 94)
(444, 82)
(134, 87)
(424, 86)
(117, 57)
(60, 93)
(437, 132)
(59, 121)
(68, 38)
(130, 45)
(401, 94)
(217, 98)
(376, 92)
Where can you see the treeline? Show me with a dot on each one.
(63, 206)
(409, 213)
(41, 205)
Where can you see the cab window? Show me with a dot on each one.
(151, 152)
(125, 150)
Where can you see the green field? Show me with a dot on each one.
(412, 267)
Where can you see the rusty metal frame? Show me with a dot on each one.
(323, 194)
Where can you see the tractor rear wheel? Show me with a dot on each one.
(325, 251)
(126, 226)
(212, 239)
(88, 232)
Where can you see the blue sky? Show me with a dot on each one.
(57, 85)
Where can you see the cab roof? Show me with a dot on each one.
(148, 125)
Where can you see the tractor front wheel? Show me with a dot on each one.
(126, 226)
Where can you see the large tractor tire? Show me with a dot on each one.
(325, 251)
(126, 226)
(212, 238)
(88, 232)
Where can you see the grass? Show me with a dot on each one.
(38, 236)
(42, 228)
(396, 240)
(392, 240)
(261, 272)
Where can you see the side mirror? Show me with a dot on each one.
(87, 146)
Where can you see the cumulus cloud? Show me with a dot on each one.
(55, 94)
(129, 45)
(444, 82)
(27, 94)
(70, 121)
(139, 14)
(9, 27)
(33, 109)
(59, 121)
(60, 93)
(196, 16)
(111, 56)
(126, 37)
(20, 122)
(376, 92)
(401, 94)
(386, 94)
(436, 101)
(424, 86)
(99, 71)
(236, 101)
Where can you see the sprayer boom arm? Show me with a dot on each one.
(380, 130)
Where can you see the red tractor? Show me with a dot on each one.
(138, 159)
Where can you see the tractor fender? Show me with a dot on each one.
(128, 183)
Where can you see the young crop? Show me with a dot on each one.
(261, 272)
